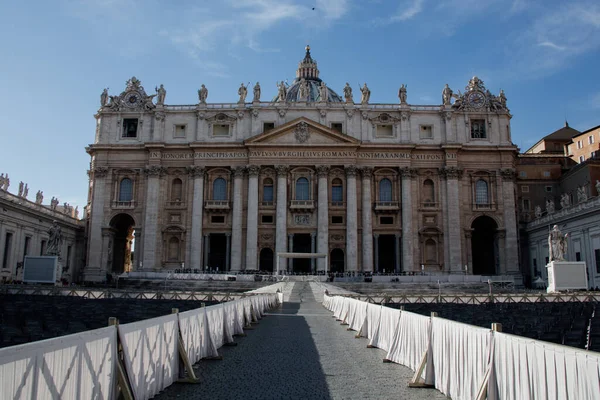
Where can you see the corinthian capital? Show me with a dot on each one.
(238, 171)
(451, 172)
(253, 170)
(367, 172)
(100, 172)
(196, 170)
(408, 172)
(322, 170)
(282, 170)
(351, 170)
(155, 170)
(508, 174)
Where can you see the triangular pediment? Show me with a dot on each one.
(303, 132)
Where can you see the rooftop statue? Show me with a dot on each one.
(20, 189)
(104, 97)
(565, 201)
(243, 92)
(581, 194)
(202, 94)
(323, 91)
(402, 94)
(550, 206)
(161, 94)
(348, 93)
(538, 212)
(256, 92)
(39, 197)
(557, 244)
(303, 90)
(446, 95)
(25, 191)
(282, 91)
(365, 94)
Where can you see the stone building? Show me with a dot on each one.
(24, 227)
(378, 187)
(585, 145)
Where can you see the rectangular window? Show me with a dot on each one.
(217, 219)
(426, 132)
(386, 220)
(591, 139)
(579, 144)
(69, 250)
(581, 159)
(526, 205)
(546, 174)
(577, 256)
(43, 247)
(548, 189)
(337, 219)
(130, 126)
(337, 194)
(523, 174)
(478, 129)
(597, 257)
(179, 131)
(267, 219)
(525, 189)
(26, 246)
(337, 126)
(7, 248)
(267, 126)
(385, 131)
(220, 130)
(268, 193)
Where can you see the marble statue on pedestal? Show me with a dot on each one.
(365, 94)
(323, 91)
(20, 193)
(104, 97)
(256, 92)
(348, 93)
(550, 206)
(281, 91)
(39, 197)
(557, 244)
(161, 93)
(581, 194)
(402, 94)
(243, 92)
(25, 191)
(54, 240)
(565, 201)
(202, 94)
(538, 212)
(446, 95)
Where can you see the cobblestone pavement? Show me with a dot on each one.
(300, 352)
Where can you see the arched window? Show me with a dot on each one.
(385, 190)
(481, 192)
(302, 189)
(428, 193)
(268, 189)
(176, 189)
(219, 189)
(126, 190)
(173, 249)
(337, 191)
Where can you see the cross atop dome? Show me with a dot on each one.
(307, 68)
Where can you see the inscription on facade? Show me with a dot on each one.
(302, 219)
(317, 154)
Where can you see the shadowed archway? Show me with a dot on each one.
(483, 246)
(123, 243)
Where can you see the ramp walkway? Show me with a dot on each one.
(300, 352)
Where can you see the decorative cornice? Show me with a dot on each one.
(155, 170)
(253, 170)
(322, 170)
(196, 171)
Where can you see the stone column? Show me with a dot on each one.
(93, 269)
(137, 236)
(197, 174)
(510, 222)
(452, 175)
(291, 250)
(236, 220)
(376, 245)
(367, 223)
(227, 252)
(501, 239)
(397, 269)
(153, 173)
(322, 216)
(206, 251)
(252, 218)
(351, 223)
(468, 246)
(407, 219)
(313, 249)
(281, 217)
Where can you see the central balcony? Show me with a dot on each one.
(302, 205)
(386, 206)
(216, 205)
(123, 204)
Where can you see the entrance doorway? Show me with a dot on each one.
(266, 260)
(123, 243)
(484, 246)
(386, 253)
(302, 245)
(337, 261)
(217, 252)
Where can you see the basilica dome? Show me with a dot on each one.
(307, 74)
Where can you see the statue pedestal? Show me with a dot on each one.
(566, 275)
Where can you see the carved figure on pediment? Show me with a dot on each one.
(402, 94)
(133, 83)
(256, 92)
(348, 93)
(202, 94)
(446, 95)
(161, 93)
(557, 244)
(54, 240)
(550, 206)
(565, 201)
(302, 133)
(581, 194)
(104, 97)
(538, 212)
(365, 94)
(25, 191)
(243, 92)
(281, 92)
(20, 189)
(323, 91)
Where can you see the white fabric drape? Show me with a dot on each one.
(150, 354)
(79, 366)
(195, 335)
(384, 332)
(411, 340)
(371, 323)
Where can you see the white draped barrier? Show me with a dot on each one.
(469, 362)
(86, 365)
(79, 366)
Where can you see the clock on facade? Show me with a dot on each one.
(132, 99)
(476, 99)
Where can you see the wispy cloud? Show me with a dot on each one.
(595, 101)
(408, 11)
(552, 45)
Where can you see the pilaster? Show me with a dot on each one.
(351, 223)
(323, 216)
(197, 175)
(367, 221)
(281, 215)
(407, 227)
(236, 223)
(94, 270)
(153, 174)
(252, 218)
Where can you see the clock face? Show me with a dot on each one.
(132, 99)
(476, 99)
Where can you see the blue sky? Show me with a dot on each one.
(58, 55)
